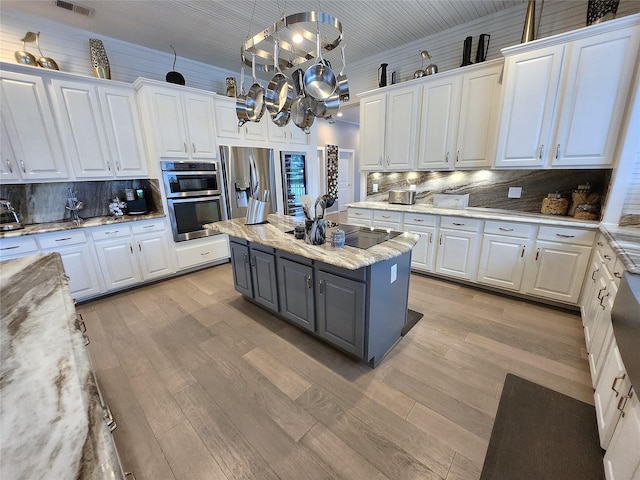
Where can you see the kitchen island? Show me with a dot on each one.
(51, 420)
(355, 299)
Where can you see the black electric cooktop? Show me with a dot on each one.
(365, 237)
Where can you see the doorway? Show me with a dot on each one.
(345, 178)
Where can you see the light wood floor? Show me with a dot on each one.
(205, 385)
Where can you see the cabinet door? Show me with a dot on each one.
(530, 91)
(502, 261)
(591, 105)
(478, 120)
(257, 130)
(593, 288)
(457, 253)
(241, 269)
(153, 255)
(28, 118)
(295, 286)
(202, 132)
(422, 253)
(171, 134)
(595, 309)
(403, 106)
(372, 127)
(601, 339)
(123, 130)
(341, 312)
(613, 384)
(118, 262)
(558, 270)
(226, 119)
(9, 169)
(439, 123)
(263, 272)
(622, 460)
(78, 111)
(296, 135)
(80, 267)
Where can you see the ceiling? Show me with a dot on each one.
(211, 31)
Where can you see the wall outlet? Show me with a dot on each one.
(514, 192)
(394, 272)
(412, 188)
(374, 187)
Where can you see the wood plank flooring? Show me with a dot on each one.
(206, 385)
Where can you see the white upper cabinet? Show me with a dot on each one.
(28, 118)
(181, 121)
(388, 129)
(9, 169)
(123, 129)
(564, 102)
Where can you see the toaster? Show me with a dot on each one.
(403, 197)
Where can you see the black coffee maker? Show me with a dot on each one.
(136, 201)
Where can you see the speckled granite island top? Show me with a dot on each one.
(69, 225)
(272, 234)
(51, 423)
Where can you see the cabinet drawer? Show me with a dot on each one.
(459, 223)
(113, 231)
(420, 219)
(145, 227)
(567, 235)
(59, 239)
(510, 229)
(361, 214)
(17, 246)
(201, 253)
(386, 216)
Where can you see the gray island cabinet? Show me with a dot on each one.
(354, 299)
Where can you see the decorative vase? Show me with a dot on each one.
(231, 87)
(601, 10)
(99, 60)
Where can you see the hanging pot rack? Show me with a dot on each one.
(305, 24)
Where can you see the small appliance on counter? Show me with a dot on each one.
(136, 201)
(9, 219)
(402, 197)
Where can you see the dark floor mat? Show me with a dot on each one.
(542, 434)
(412, 318)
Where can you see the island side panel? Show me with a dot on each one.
(388, 303)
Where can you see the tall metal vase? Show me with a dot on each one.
(529, 31)
(99, 60)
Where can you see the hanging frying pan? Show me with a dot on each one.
(173, 76)
(279, 94)
(241, 101)
(255, 97)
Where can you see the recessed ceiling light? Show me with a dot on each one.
(297, 38)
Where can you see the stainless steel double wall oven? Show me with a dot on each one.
(195, 196)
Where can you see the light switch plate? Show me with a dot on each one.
(515, 192)
(394, 272)
(374, 187)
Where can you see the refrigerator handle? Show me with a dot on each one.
(253, 175)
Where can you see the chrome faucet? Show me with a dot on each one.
(74, 206)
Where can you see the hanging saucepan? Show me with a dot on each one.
(279, 94)
(342, 85)
(241, 101)
(282, 118)
(255, 97)
(331, 106)
(319, 79)
(301, 113)
(173, 76)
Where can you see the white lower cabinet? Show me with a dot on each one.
(505, 247)
(78, 261)
(458, 244)
(387, 220)
(622, 460)
(201, 251)
(153, 254)
(13, 247)
(557, 268)
(423, 254)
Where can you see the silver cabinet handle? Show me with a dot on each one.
(380, 160)
(457, 156)
(321, 286)
(418, 220)
(204, 254)
(194, 147)
(388, 161)
(446, 158)
(602, 300)
(541, 149)
(253, 261)
(607, 257)
(557, 151)
(130, 474)
(617, 274)
(10, 248)
(111, 232)
(600, 244)
(24, 169)
(594, 273)
(308, 281)
(505, 229)
(62, 239)
(80, 325)
(386, 216)
(564, 236)
(246, 258)
(615, 380)
(117, 165)
(600, 292)
(458, 224)
(108, 166)
(522, 252)
(108, 417)
(430, 237)
(537, 253)
(358, 214)
(440, 239)
(9, 165)
(150, 226)
(131, 248)
(185, 147)
(139, 247)
(622, 403)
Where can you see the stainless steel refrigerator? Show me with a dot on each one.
(294, 181)
(248, 172)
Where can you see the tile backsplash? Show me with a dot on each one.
(45, 202)
(489, 188)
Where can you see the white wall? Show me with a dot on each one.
(346, 136)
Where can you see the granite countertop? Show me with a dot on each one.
(36, 228)
(272, 234)
(482, 213)
(625, 242)
(51, 425)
